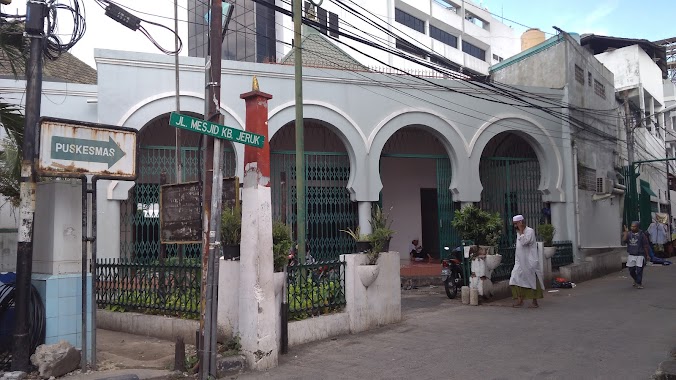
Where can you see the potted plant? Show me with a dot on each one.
(381, 228)
(547, 232)
(231, 232)
(363, 241)
(281, 244)
(484, 229)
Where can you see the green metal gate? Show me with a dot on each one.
(510, 187)
(139, 214)
(328, 205)
(448, 237)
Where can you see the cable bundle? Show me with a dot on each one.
(120, 14)
(54, 46)
(36, 322)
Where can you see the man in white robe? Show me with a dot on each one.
(526, 279)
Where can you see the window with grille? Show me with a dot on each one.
(579, 74)
(409, 20)
(410, 48)
(474, 51)
(599, 89)
(586, 178)
(443, 36)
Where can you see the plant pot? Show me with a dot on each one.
(493, 261)
(386, 245)
(278, 282)
(368, 274)
(231, 252)
(549, 252)
(363, 246)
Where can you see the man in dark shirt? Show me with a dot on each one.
(638, 250)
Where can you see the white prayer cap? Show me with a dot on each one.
(517, 218)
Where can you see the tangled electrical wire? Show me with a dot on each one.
(121, 14)
(36, 321)
(54, 46)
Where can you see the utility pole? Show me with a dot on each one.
(36, 11)
(179, 162)
(212, 183)
(300, 141)
(633, 196)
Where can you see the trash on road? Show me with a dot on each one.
(553, 291)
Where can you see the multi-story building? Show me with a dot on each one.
(465, 36)
(640, 70)
(596, 130)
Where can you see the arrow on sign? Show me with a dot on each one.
(67, 148)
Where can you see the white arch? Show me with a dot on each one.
(340, 123)
(189, 95)
(542, 143)
(150, 108)
(444, 130)
(403, 111)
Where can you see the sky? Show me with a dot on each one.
(648, 19)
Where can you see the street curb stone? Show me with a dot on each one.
(230, 365)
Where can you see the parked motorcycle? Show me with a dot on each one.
(451, 272)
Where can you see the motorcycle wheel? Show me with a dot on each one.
(449, 285)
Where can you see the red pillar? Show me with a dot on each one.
(257, 122)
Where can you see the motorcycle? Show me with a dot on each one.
(451, 272)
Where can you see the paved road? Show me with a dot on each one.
(602, 329)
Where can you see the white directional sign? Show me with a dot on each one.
(70, 148)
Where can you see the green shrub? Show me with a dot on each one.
(281, 244)
(482, 227)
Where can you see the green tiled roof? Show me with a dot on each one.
(319, 51)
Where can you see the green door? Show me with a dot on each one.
(139, 214)
(328, 205)
(448, 237)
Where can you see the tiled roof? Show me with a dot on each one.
(67, 68)
(319, 51)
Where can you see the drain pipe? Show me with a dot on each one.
(576, 196)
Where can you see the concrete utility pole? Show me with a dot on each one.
(36, 10)
(179, 162)
(633, 196)
(212, 187)
(300, 141)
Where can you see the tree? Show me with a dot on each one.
(12, 57)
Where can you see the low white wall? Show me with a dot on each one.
(380, 303)
(228, 297)
(366, 308)
(318, 328)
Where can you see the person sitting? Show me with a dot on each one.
(416, 251)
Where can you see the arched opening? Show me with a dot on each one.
(327, 171)
(139, 214)
(415, 171)
(510, 176)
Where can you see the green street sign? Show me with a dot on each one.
(67, 148)
(216, 130)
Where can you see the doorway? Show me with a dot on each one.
(429, 217)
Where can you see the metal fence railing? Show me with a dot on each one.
(171, 288)
(563, 256)
(316, 289)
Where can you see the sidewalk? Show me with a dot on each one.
(601, 329)
(125, 357)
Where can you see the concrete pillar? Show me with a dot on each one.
(364, 209)
(257, 317)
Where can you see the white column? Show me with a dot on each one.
(257, 317)
(364, 209)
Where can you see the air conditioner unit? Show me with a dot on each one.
(604, 185)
